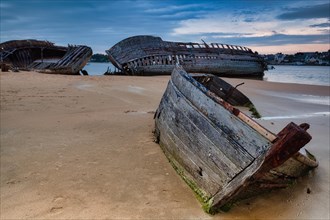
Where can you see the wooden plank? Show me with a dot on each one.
(247, 137)
(224, 146)
(205, 178)
(198, 143)
(185, 175)
(221, 88)
(202, 175)
(71, 55)
(290, 140)
(264, 132)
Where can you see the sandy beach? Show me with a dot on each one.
(81, 147)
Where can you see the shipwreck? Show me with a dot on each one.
(44, 56)
(149, 55)
(220, 151)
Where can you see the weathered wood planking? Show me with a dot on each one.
(223, 89)
(149, 55)
(238, 131)
(181, 124)
(72, 62)
(290, 140)
(239, 157)
(190, 163)
(296, 166)
(223, 154)
(44, 56)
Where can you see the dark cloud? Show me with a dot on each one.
(7, 17)
(320, 25)
(273, 40)
(280, 39)
(316, 11)
(247, 12)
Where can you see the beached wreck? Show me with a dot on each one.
(149, 55)
(44, 56)
(223, 154)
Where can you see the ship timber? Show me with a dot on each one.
(45, 56)
(149, 55)
(223, 154)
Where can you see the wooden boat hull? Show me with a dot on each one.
(148, 55)
(222, 153)
(44, 56)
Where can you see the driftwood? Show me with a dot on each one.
(222, 153)
(44, 56)
(148, 55)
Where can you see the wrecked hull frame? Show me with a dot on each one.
(44, 56)
(221, 153)
(148, 55)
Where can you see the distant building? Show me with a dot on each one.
(301, 58)
(279, 58)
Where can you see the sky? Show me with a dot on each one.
(272, 26)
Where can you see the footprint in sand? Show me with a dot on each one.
(57, 204)
(58, 165)
(58, 199)
(13, 181)
(56, 209)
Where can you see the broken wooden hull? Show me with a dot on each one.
(148, 55)
(223, 154)
(44, 56)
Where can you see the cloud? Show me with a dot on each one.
(273, 40)
(10, 19)
(172, 8)
(255, 27)
(281, 39)
(173, 11)
(5, 5)
(104, 30)
(307, 12)
(98, 25)
(249, 19)
(258, 26)
(321, 25)
(290, 48)
(181, 15)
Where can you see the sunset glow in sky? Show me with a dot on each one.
(265, 26)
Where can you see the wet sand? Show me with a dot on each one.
(76, 147)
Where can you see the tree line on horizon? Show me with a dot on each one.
(99, 58)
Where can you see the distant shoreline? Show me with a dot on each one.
(293, 64)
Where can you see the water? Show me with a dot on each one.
(312, 75)
(307, 115)
(98, 69)
(310, 99)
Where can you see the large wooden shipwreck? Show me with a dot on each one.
(149, 55)
(223, 154)
(44, 56)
